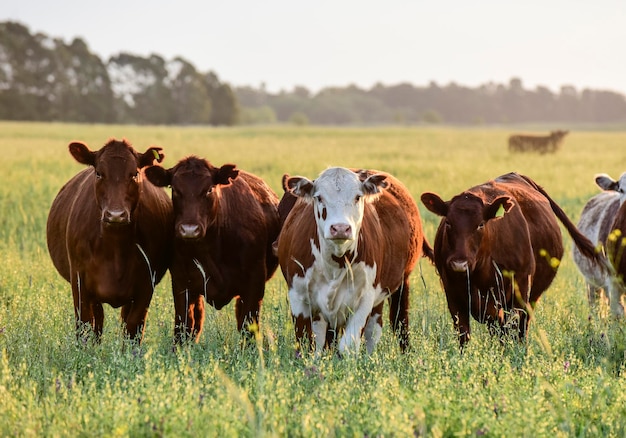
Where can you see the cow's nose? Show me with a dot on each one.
(189, 231)
(116, 216)
(340, 231)
(459, 265)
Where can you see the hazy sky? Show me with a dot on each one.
(336, 43)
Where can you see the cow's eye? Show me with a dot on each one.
(481, 226)
(319, 199)
(135, 177)
(209, 191)
(98, 175)
(357, 198)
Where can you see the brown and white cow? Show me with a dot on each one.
(601, 216)
(349, 241)
(108, 234)
(537, 143)
(226, 220)
(497, 249)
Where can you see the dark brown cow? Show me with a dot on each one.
(109, 233)
(537, 143)
(497, 250)
(225, 222)
(349, 241)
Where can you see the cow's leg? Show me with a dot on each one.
(593, 294)
(616, 290)
(83, 311)
(351, 340)
(303, 330)
(98, 319)
(374, 328)
(399, 314)
(319, 328)
(198, 317)
(459, 310)
(185, 310)
(135, 313)
(523, 309)
(248, 305)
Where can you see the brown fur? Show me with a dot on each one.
(236, 225)
(95, 228)
(506, 257)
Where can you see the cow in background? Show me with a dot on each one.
(537, 143)
(226, 220)
(350, 239)
(497, 249)
(601, 216)
(109, 234)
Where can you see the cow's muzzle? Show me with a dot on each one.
(189, 231)
(341, 232)
(459, 265)
(116, 217)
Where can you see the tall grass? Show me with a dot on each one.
(567, 380)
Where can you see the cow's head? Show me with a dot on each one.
(338, 196)
(196, 189)
(117, 176)
(464, 225)
(605, 182)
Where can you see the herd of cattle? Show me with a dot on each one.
(345, 242)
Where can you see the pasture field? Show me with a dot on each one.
(568, 379)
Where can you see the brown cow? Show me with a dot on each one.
(497, 250)
(109, 233)
(225, 222)
(350, 241)
(537, 143)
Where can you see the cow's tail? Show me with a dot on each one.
(584, 245)
(427, 251)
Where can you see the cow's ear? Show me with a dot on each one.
(498, 208)
(375, 184)
(152, 154)
(605, 182)
(159, 176)
(300, 186)
(225, 174)
(81, 153)
(284, 182)
(435, 204)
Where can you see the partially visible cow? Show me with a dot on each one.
(537, 143)
(497, 249)
(108, 234)
(600, 217)
(226, 220)
(349, 241)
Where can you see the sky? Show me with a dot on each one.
(281, 44)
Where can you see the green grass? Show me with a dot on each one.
(567, 380)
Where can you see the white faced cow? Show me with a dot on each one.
(350, 241)
(599, 218)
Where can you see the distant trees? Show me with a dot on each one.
(407, 104)
(45, 79)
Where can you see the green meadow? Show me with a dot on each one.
(568, 379)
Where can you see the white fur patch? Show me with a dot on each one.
(343, 297)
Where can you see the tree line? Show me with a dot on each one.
(44, 78)
(408, 104)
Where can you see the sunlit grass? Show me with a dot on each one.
(567, 380)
